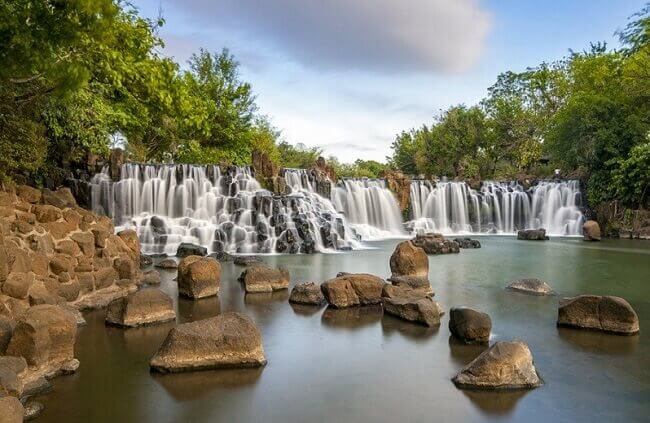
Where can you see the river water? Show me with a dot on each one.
(357, 365)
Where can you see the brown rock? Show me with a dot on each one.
(4, 260)
(145, 307)
(60, 198)
(7, 198)
(225, 341)
(85, 241)
(105, 277)
(400, 185)
(12, 410)
(100, 234)
(151, 277)
(262, 278)
(353, 289)
(29, 194)
(420, 284)
(126, 268)
(469, 326)
(18, 257)
(436, 244)
(60, 229)
(409, 260)
(86, 282)
(130, 238)
(17, 285)
(62, 263)
(40, 294)
(409, 305)
(68, 247)
(167, 264)
(70, 290)
(6, 330)
(602, 313)
(591, 230)
(45, 213)
(532, 235)
(307, 293)
(198, 277)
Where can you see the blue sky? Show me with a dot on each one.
(348, 75)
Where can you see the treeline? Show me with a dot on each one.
(587, 114)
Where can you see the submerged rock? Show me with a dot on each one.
(530, 286)
(532, 234)
(505, 365)
(409, 305)
(353, 289)
(409, 260)
(307, 293)
(591, 231)
(262, 278)
(436, 244)
(167, 264)
(467, 243)
(145, 307)
(469, 326)
(198, 277)
(595, 312)
(188, 249)
(225, 341)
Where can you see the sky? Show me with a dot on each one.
(348, 75)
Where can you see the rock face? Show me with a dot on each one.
(409, 260)
(400, 185)
(198, 277)
(503, 366)
(144, 307)
(603, 313)
(45, 337)
(353, 289)
(225, 341)
(469, 326)
(12, 410)
(530, 286)
(262, 278)
(187, 249)
(307, 293)
(591, 231)
(467, 243)
(407, 304)
(532, 234)
(436, 244)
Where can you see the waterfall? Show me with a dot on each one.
(498, 207)
(369, 206)
(224, 210)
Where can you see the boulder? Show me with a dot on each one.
(12, 410)
(409, 260)
(17, 380)
(145, 307)
(104, 277)
(532, 234)
(60, 198)
(151, 277)
(503, 366)
(130, 238)
(46, 214)
(188, 249)
(167, 264)
(467, 243)
(602, 313)
(409, 305)
(246, 260)
(228, 340)
(307, 293)
(29, 194)
(591, 231)
(85, 241)
(198, 277)
(436, 244)
(262, 278)
(530, 286)
(45, 335)
(353, 289)
(469, 326)
(420, 284)
(17, 285)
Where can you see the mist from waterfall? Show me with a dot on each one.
(498, 207)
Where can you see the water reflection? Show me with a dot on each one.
(144, 341)
(495, 402)
(599, 342)
(415, 331)
(261, 298)
(305, 309)
(189, 386)
(352, 318)
(191, 310)
(462, 353)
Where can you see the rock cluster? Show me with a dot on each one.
(259, 277)
(602, 313)
(532, 234)
(436, 244)
(353, 289)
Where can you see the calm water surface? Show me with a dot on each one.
(357, 365)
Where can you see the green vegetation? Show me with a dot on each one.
(587, 114)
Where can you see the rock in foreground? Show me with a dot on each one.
(505, 365)
(198, 277)
(532, 234)
(307, 293)
(228, 340)
(406, 304)
(145, 307)
(530, 286)
(469, 326)
(603, 313)
(409, 260)
(259, 277)
(591, 231)
(353, 289)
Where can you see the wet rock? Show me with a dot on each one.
(467, 243)
(167, 264)
(602, 313)
(409, 305)
(503, 366)
(409, 260)
(130, 239)
(262, 278)
(246, 260)
(151, 277)
(45, 337)
(33, 409)
(198, 277)
(530, 286)
(12, 410)
(591, 231)
(307, 293)
(532, 234)
(353, 289)
(436, 244)
(221, 256)
(145, 261)
(228, 340)
(188, 249)
(144, 307)
(469, 326)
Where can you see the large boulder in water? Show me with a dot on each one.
(420, 284)
(225, 341)
(436, 244)
(144, 307)
(503, 366)
(591, 231)
(410, 305)
(262, 278)
(530, 286)
(469, 326)
(602, 313)
(532, 234)
(45, 335)
(307, 293)
(353, 289)
(12, 410)
(198, 277)
(409, 260)
(188, 249)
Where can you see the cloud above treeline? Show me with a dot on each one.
(370, 35)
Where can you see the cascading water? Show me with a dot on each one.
(370, 207)
(222, 210)
(499, 207)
